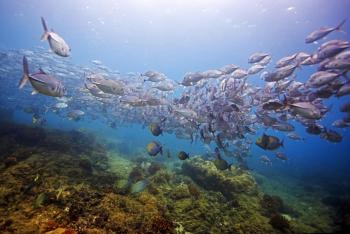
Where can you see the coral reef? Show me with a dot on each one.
(229, 183)
(67, 182)
(271, 204)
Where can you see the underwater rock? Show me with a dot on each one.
(180, 192)
(271, 204)
(152, 189)
(341, 206)
(193, 190)
(122, 186)
(136, 174)
(10, 160)
(6, 225)
(86, 166)
(154, 168)
(228, 183)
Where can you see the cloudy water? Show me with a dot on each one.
(150, 116)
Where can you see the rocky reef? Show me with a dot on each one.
(69, 182)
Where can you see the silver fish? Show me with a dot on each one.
(257, 57)
(321, 78)
(344, 90)
(255, 69)
(322, 32)
(56, 42)
(42, 82)
(306, 110)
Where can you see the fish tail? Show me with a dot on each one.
(340, 26)
(46, 31)
(25, 76)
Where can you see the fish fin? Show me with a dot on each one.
(34, 92)
(340, 26)
(43, 22)
(45, 36)
(25, 77)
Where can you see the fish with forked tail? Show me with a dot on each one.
(56, 42)
(42, 82)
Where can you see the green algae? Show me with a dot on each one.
(86, 189)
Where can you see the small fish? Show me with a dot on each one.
(343, 90)
(322, 32)
(256, 68)
(268, 142)
(331, 136)
(153, 148)
(42, 82)
(321, 78)
(283, 126)
(139, 186)
(272, 105)
(155, 129)
(340, 123)
(61, 105)
(345, 107)
(314, 129)
(75, 115)
(38, 120)
(182, 155)
(306, 110)
(294, 136)
(266, 160)
(56, 42)
(219, 162)
(281, 156)
(257, 57)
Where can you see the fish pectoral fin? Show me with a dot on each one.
(34, 92)
(45, 36)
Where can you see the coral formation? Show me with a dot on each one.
(229, 183)
(60, 185)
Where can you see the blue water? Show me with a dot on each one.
(176, 37)
(180, 36)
